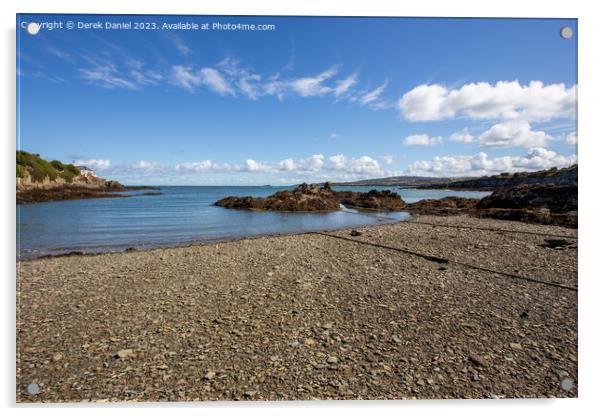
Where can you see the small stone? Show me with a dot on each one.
(270, 274)
(57, 357)
(355, 233)
(209, 375)
(475, 359)
(125, 353)
(332, 360)
(516, 346)
(33, 389)
(327, 325)
(309, 341)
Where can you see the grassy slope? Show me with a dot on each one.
(39, 168)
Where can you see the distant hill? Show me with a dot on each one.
(402, 181)
(552, 176)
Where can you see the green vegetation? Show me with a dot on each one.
(39, 168)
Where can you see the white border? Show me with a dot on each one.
(590, 72)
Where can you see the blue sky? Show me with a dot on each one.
(314, 99)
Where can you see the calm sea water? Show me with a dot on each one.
(182, 215)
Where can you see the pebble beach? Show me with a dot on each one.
(434, 307)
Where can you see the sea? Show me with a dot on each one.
(182, 215)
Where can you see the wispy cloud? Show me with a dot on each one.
(181, 46)
(106, 76)
(372, 96)
(313, 86)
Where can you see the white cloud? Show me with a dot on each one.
(504, 100)
(312, 86)
(513, 133)
(184, 77)
(181, 47)
(286, 165)
(361, 165)
(480, 164)
(372, 96)
(189, 79)
(571, 139)
(462, 136)
(333, 135)
(388, 159)
(425, 103)
(422, 140)
(211, 78)
(202, 166)
(311, 164)
(254, 166)
(146, 77)
(95, 164)
(144, 165)
(342, 86)
(106, 76)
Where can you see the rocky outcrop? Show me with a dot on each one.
(378, 200)
(313, 198)
(302, 198)
(553, 205)
(554, 198)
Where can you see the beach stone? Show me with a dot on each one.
(332, 360)
(127, 353)
(309, 341)
(209, 375)
(33, 389)
(57, 357)
(516, 346)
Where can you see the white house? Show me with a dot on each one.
(85, 171)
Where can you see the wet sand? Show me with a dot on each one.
(436, 307)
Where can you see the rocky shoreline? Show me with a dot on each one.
(73, 191)
(539, 204)
(335, 315)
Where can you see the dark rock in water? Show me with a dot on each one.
(312, 198)
(355, 233)
(557, 199)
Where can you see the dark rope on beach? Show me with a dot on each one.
(442, 260)
(466, 227)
